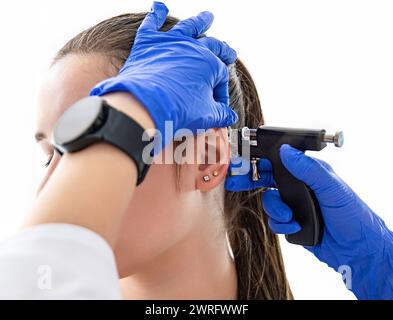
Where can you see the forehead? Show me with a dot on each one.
(68, 80)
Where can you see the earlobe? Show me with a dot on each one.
(211, 177)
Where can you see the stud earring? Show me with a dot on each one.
(206, 178)
(215, 173)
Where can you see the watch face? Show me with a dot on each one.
(77, 119)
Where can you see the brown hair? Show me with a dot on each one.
(259, 264)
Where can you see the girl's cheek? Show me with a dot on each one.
(49, 170)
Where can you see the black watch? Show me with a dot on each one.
(92, 120)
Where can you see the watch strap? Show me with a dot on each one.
(125, 133)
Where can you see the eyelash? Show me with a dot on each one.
(48, 162)
(55, 149)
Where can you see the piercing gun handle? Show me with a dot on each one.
(303, 203)
(295, 193)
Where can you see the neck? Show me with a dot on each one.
(199, 267)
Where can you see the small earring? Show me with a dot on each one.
(215, 173)
(206, 178)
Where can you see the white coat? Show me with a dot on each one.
(58, 261)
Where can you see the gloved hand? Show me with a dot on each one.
(355, 239)
(175, 75)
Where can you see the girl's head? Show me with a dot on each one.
(174, 206)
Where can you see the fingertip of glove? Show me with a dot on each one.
(232, 54)
(226, 118)
(283, 228)
(286, 147)
(206, 16)
(264, 165)
(233, 116)
(93, 92)
(96, 91)
(295, 227)
(287, 151)
(159, 7)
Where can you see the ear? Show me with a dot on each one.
(215, 157)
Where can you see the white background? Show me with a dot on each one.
(317, 64)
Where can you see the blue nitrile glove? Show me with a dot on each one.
(355, 239)
(176, 76)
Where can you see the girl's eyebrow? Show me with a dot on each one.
(40, 136)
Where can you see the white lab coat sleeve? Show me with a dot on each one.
(58, 261)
